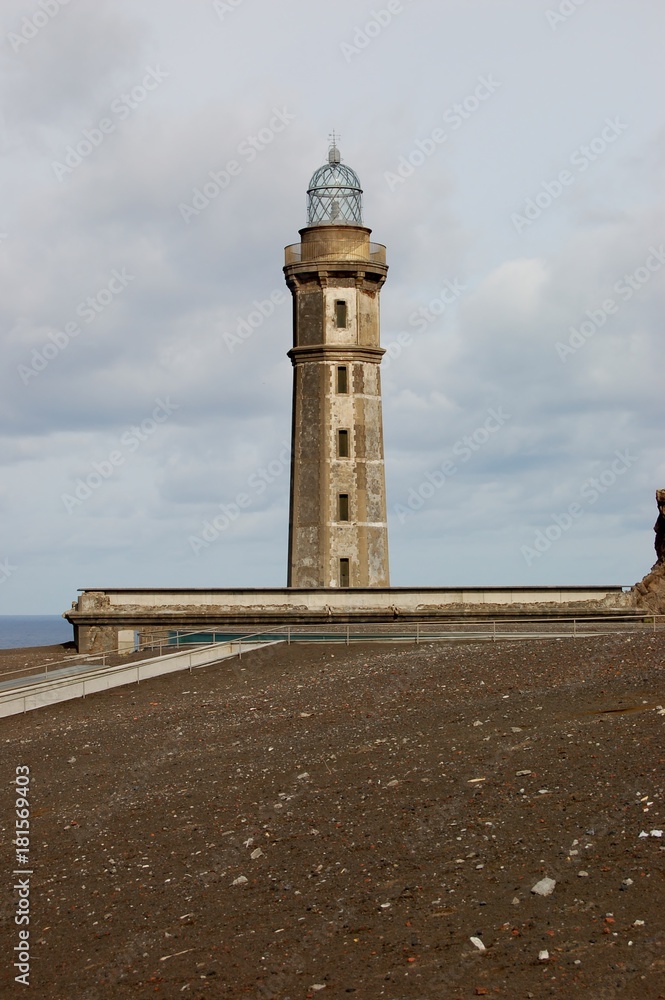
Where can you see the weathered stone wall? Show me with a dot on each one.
(105, 620)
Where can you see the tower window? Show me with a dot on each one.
(342, 444)
(344, 578)
(340, 314)
(342, 379)
(343, 507)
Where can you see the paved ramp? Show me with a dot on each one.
(78, 681)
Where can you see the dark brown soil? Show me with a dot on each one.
(404, 799)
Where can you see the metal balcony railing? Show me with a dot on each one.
(299, 253)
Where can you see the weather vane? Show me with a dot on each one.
(333, 152)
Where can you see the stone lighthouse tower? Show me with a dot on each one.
(338, 534)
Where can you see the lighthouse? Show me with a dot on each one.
(338, 534)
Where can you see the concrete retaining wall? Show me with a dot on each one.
(103, 619)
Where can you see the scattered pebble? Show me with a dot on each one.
(545, 887)
(214, 793)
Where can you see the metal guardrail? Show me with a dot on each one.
(154, 642)
(452, 630)
(158, 641)
(30, 693)
(491, 629)
(301, 253)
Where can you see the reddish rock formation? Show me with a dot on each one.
(650, 592)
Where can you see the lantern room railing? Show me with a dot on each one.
(315, 250)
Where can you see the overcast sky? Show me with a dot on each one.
(511, 156)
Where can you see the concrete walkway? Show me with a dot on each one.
(78, 681)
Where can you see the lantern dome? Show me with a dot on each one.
(334, 196)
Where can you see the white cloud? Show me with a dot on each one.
(163, 335)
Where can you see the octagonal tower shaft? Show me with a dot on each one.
(338, 534)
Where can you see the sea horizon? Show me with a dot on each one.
(21, 631)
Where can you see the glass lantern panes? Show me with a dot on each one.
(334, 196)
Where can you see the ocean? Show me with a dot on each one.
(33, 630)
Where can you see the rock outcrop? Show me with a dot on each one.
(650, 592)
(659, 527)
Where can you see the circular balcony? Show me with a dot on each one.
(335, 250)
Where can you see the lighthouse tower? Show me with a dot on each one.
(338, 534)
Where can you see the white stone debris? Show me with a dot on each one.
(545, 887)
(477, 943)
(241, 880)
(543, 956)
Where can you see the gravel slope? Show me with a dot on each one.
(385, 804)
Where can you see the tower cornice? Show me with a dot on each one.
(335, 353)
(328, 273)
